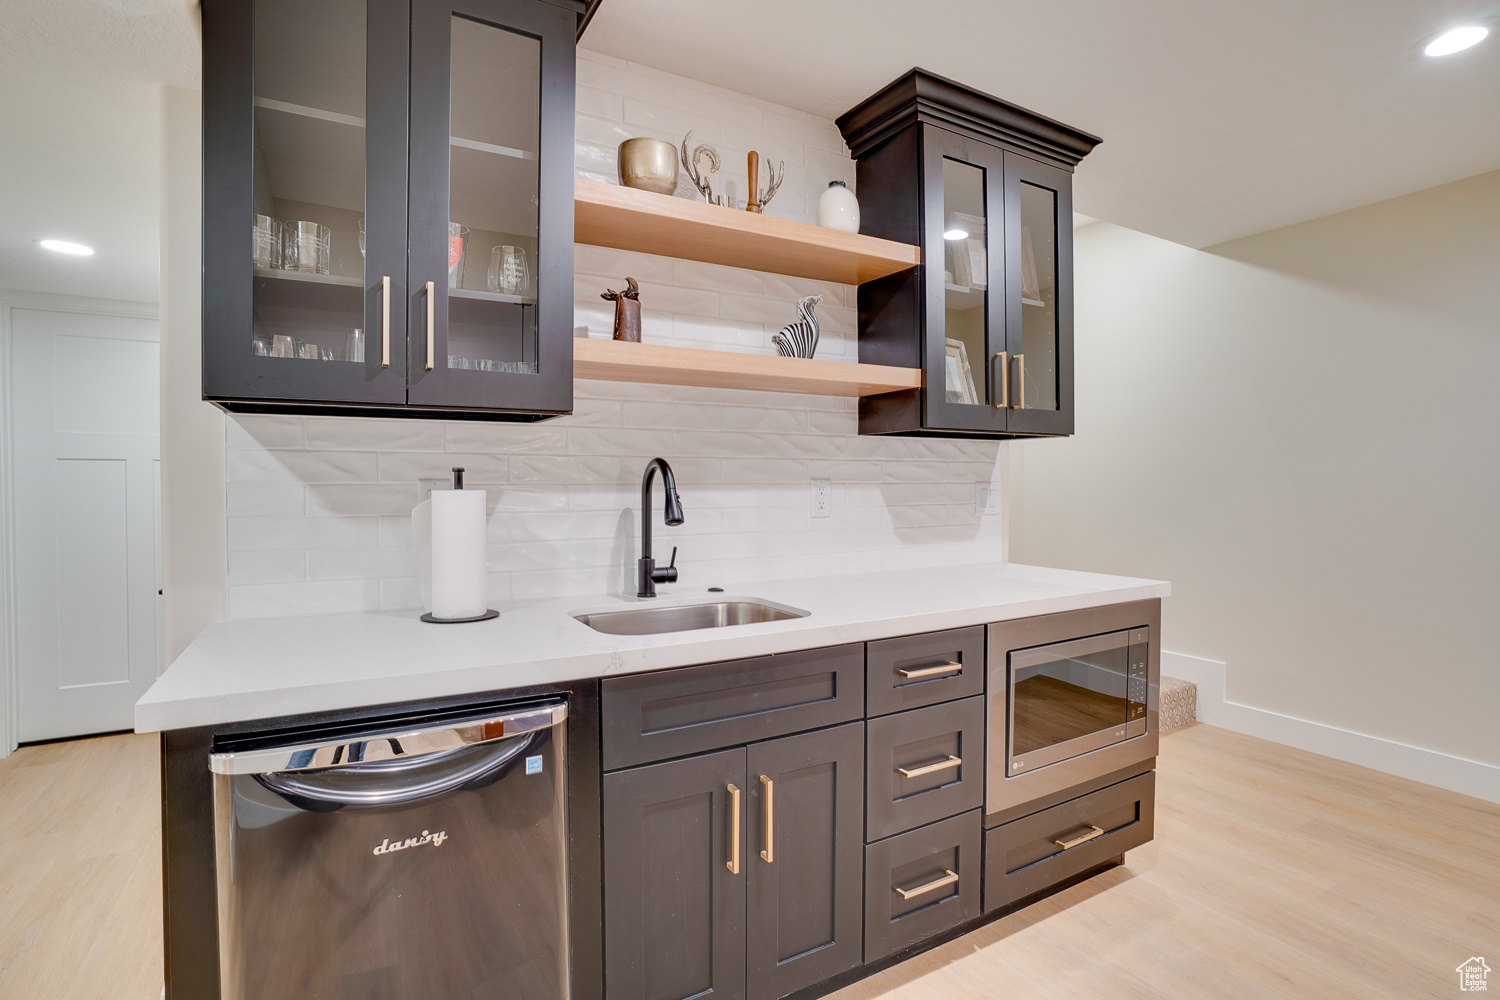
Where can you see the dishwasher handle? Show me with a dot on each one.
(397, 782)
(404, 743)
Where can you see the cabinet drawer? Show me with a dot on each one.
(1027, 855)
(923, 765)
(676, 712)
(916, 670)
(920, 883)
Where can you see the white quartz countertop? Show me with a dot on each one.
(263, 668)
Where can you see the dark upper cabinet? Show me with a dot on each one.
(405, 171)
(985, 188)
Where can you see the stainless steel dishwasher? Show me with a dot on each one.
(419, 857)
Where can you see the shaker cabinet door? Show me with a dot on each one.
(490, 295)
(674, 874)
(963, 241)
(1039, 295)
(805, 831)
(304, 202)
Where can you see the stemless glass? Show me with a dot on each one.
(509, 274)
(307, 247)
(266, 242)
(458, 246)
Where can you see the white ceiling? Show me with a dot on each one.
(80, 111)
(1219, 119)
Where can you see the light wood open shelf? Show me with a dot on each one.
(622, 361)
(609, 215)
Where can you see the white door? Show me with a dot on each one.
(85, 419)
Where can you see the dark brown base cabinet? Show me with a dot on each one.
(735, 874)
(785, 825)
(985, 189)
(388, 207)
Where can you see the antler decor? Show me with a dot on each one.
(627, 310)
(759, 199)
(690, 164)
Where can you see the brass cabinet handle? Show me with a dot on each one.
(733, 864)
(942, 765)
(769, 854)
(1068, 845)
(431, 292)
(1021, 381)
(1003, 388)
(385, 321)
(947, 878)
(941, 668)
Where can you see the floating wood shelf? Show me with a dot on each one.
(621, 361)
(609, 215)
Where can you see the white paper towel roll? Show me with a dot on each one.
(457, 547)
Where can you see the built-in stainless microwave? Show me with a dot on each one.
(1071, 697)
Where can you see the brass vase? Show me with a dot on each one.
(648, 164)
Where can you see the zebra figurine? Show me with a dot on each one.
(800, 339)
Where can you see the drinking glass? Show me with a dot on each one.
(307, 351)
(354, 345)
(283, 346)
(361, 236)
(307, 246)
(458, 246)
(508, 272)
(266, 242)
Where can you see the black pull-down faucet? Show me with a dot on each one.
(647, 574)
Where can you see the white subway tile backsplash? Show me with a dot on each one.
(319, 507)
(294, 467)
(333, 434)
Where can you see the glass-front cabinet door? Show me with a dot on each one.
(489, 292)
(1039, 296)
(964, 227)
(304, 147)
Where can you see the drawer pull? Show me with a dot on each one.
(1068, 845)
(948, 878)
(942, 765)
(941, 668)
(769, 854)
(733, 864)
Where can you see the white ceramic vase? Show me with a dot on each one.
(838, 208)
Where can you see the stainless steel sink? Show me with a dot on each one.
(684, 617)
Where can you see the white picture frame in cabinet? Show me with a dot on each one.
(959, 377)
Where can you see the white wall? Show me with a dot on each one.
(318, 508)
(192, 431)
(1301, 430)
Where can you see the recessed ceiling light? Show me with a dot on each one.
(1456, 40)
(63, 246)
(956, 234)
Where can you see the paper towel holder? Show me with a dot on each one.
(458, 484)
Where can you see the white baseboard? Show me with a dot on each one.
(1457, 774)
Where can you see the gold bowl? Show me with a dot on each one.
(648, 164)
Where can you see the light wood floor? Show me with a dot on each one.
(1275, 873)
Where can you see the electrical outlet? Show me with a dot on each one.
(986, 499)
(822, 498)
